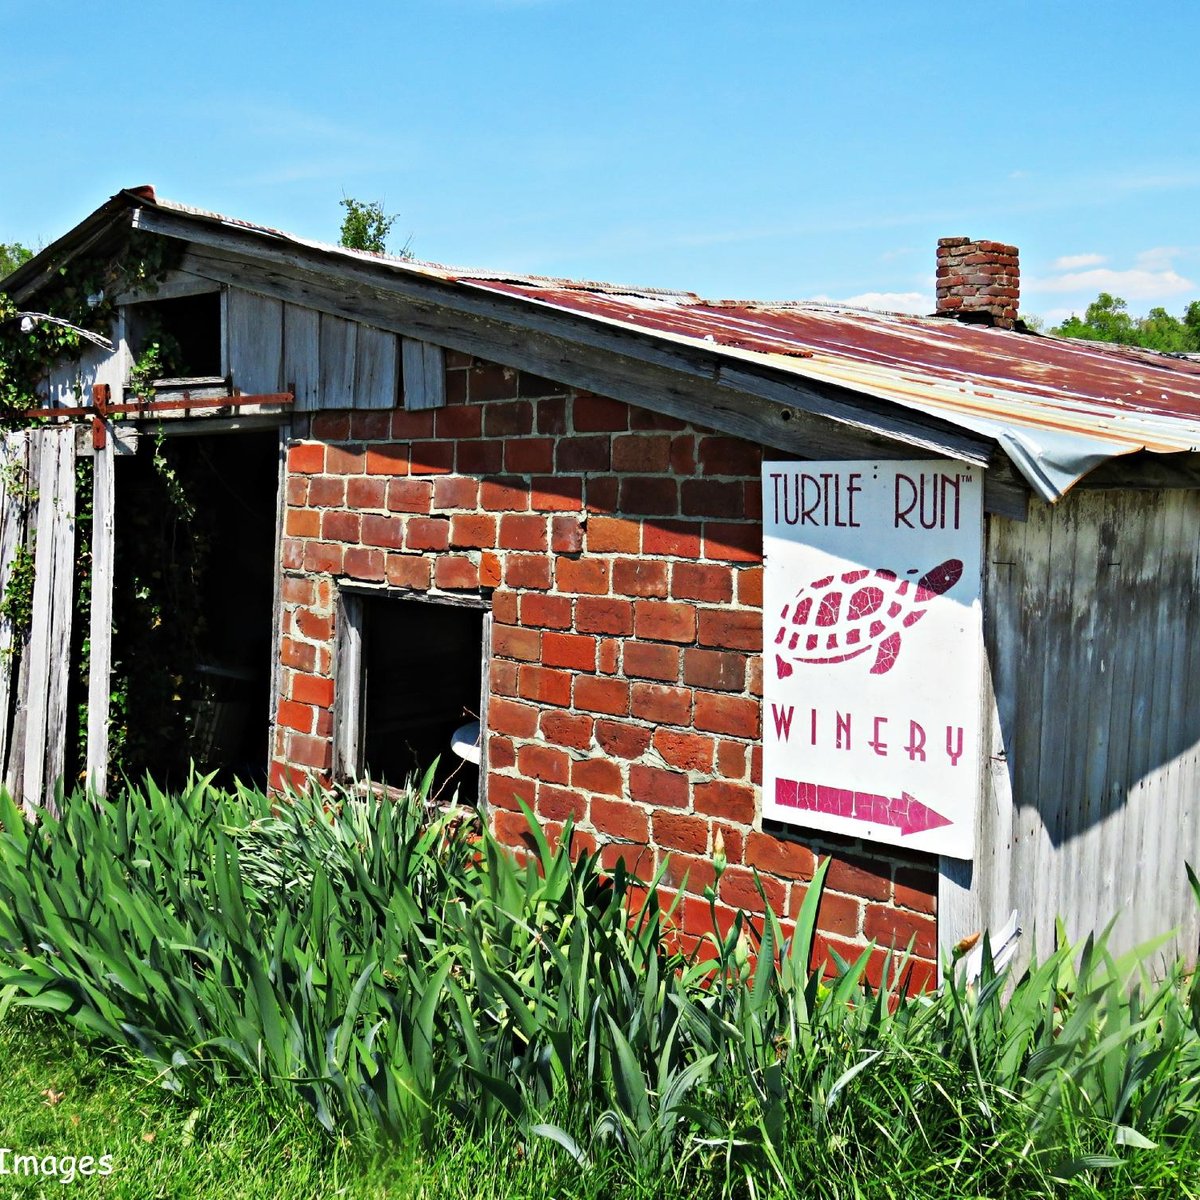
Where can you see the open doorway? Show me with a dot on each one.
(193, 604)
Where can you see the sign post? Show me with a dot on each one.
(872, 650)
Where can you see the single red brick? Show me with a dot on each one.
(529, 456)
(456, 573)
(650, 660)
(712, 498)
(736, 543)
(512, 718)
(387, 458)
(544, 685)
(551, 414)
(729, 456)
(407, 423)
(836, 914)
(556, 493)
(327, 491)
(915, 888)
(505, 792)
(779, 856)
(644, 418)
(338, 526)
(504, 495)
(308, 458)
(501, 753)
(702, 581)
(522, 532)
(866, 877)
(566, 534)
(295, 716)
(622, 740)
(527, 571)
(507, 420)
(583, 576)
(428, 533)
(602, 493)
(895, 928)
(653, 495)
(387, 532)
(558, 804)
(688, 871)
(652, 785)
(324, 557)
(599, 414)
(619, 818)
(662, 621)
(363, 491)
(431, 458)
(504, 607)
(311, 689)
(602, 695)
(302, 523)
(721, 798)
(543, 762)
(296, 492)
(633, 859)
(600, 614)
(546, 612)
(608, 656)
(641, 452)
(683, 455)
(364, 564)
(572, 454)
(676, 539)
(370, 426)
(491, 381)
(503, 676)
(574, 651)
(455, 491)
(740, 889)
(513, 642)
(571, 730)
(345, 460)
(480, 458)
(490, 570)
(730, 629)
(714, 669)
(684, 751)
(727, 714)
(308, 751)
(297, 591)
(731, 759)
(459, 421)
(317, 627)
(639, 577)
(473, 530)
(410, 495)
(681, 831)
(331, 426)
(597, 775)
(607, 534)
(409, 571)
(664, 705)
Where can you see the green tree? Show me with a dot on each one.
(12, 255)
(1107, 320)
(366, 226)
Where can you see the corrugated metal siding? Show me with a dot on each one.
(1092, 629)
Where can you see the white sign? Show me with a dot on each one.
(872, 650)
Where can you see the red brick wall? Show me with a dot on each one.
(625, 553)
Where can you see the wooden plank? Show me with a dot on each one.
(175, 286)
(14, 515)
(485, 691)
(339, 343)
(14, 767)
(583, 354)
(301, 355)
(376, 369)
(255, 332)
(285, 432)
(424, 375)
(100, 616)
(348, 687)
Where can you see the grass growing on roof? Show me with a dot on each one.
(405, 986)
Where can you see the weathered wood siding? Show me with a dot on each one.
(1092, 628)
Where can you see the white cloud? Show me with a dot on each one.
(1137, 283)
(917, 303)
(1159, 258)
(1073, 262)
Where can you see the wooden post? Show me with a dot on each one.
(100, 617)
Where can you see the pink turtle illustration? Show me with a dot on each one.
(840, 617)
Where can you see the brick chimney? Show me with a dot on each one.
(978, 281)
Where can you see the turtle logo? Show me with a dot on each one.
(839, 617)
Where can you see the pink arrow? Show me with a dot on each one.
(906, 812)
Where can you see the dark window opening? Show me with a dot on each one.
(187, 332)
(421, 683)
(193, 606)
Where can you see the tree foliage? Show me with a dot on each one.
(12, 255)
(1107, 319)
(366, 226)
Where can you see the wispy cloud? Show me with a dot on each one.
(1074, 262)
(1136, 283)
(917, 303)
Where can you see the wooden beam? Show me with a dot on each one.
(14, 515)
(100, 617)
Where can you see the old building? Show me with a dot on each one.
(435, 495)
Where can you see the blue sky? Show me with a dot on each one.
(748, 148)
